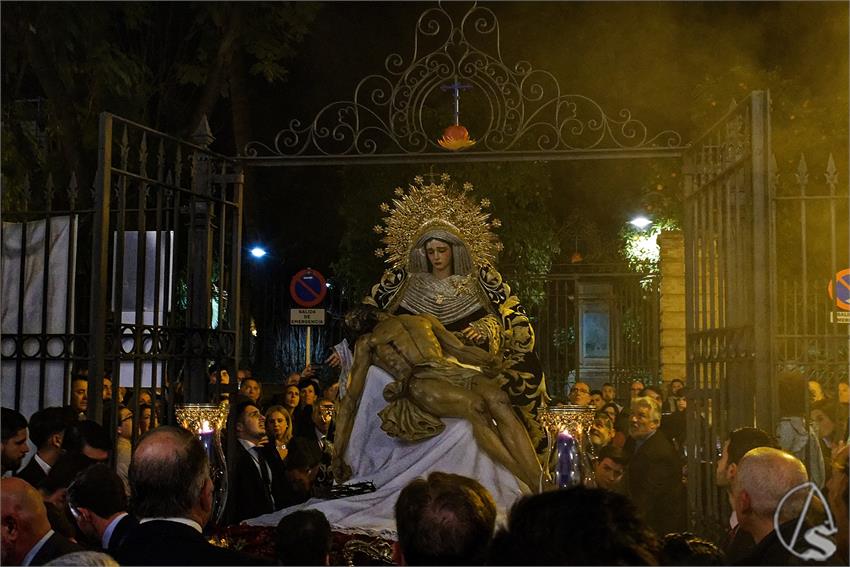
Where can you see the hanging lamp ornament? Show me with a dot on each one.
(427, 206)
(456, 137)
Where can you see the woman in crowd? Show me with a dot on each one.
(291, 398)
(278, 430)
(824, 418)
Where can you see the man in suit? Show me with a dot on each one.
(320, 432)
(47, 428)
(250, 482)
(172, 495)
(655, 472)
(27, 538)
(99, 505)
(13, 441)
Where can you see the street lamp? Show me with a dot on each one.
(258, 252)
(640, 222)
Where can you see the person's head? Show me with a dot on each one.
(291, 397)
(580, 394)
(13, 439)
(843, 391)
(645, 417)
(250, 423)
(332, 391)
(765, 476)
(242, 374)
(652, 392)
(251, 389)
(675, 387)
(601, 432)
(362, 319)
(303, 538)
(23, 520)
(815, 391)
(88, 438)
(611, 410)
(47, 428)
(739, 443)
(609, 468)
(84, 559)
(608, 392)
(838, 497)
(308, 390)
(323, 414)
(125, 423)
(302, 464)
(61, 475)
(687, 549)
(577, 526)
(94, 497)
(80, 394)
(278, 424)
(635, 388)
(147, 419)
(293, 379)
(792, 388)
(107, 387)
(596, 399)
(169, 476)
(446, 519)
(682, 399)
(824, 416)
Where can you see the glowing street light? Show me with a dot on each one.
(640, 222)
(258, 252)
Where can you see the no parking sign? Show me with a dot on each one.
(839, 293)
(307, 288)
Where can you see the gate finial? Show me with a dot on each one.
(203, 135)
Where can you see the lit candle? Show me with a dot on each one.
(567, 471)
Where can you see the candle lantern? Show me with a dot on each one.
(207, 421)
(566, 428)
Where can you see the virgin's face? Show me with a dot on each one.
(292, 396)
(439, 255)
(276, 424)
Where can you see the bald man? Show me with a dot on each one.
(172, 495)
(27, 538)
(764, 477)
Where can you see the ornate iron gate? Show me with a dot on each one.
(166, 262)
(761, 249)
(583, 300)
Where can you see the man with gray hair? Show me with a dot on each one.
(765, 476)
(172, 495)
(655, 470)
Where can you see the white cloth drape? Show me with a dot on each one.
(391, 464)
(59, 305)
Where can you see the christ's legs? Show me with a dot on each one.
(446, 400)
(512, 432)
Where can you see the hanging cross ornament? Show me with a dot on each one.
(456, 137)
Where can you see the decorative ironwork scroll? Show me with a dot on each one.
(515, 108)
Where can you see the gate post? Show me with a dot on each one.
(762, 278)
(200, 262)
(99, 273)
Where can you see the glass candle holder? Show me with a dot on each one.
(566, 427)
(207, 421)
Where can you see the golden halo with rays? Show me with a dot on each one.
(427, 206)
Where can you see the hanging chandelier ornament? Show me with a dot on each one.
(456, 137)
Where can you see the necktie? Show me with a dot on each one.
(264, 474)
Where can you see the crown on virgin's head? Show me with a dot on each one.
(431, 206)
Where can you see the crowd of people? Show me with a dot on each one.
(152, 506)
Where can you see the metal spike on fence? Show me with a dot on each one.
(49, 190)
(802, 174)
(125, 148)
(73, 190)
(143, 155)
(831, 174)
(160, 160)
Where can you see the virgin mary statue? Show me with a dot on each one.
(440, 251)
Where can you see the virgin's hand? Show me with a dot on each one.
(473, 335)
(334, 360)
